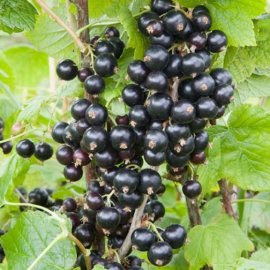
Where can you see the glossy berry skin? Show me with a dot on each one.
(142, 239)
(94, 85)
(158, 81)
(25, 148)
(192, 63)
(145, 19)
(94, 186)
(81, 126)
(64, 155)
(85, 234)
(38, 196)
(200, 9)
(67, 70)
(122, 137)
(156, 57)
(201, 141)
(202, 21)
(69, 205)
(43, 151)
(137, 71)
(80, 158)
(161, 6)
(183, 147)
(115, 241)
(126, 180)
(221, 111)
(133, 95)
(150, 181)
(96, 114)
(198, 158)
(138, 116)
(223, 95)
(217, 41)
(160, 253)
(156, 125)
(103, 46)
(192, 189)
(197, 40)
(206, 56)
(221, 76)
(84, 73)
(94, 201)
(175, 235)
(159, 106)
(186, 91)
(176, 160)
(154, 28)
(71, 135)
(108, 218)
(203, 85)
(154, 158)
(176, 132)
(58, 131)
(79, 108)
(130, 200)
(165, 40)
(107, 158)
(174, 22)
(183, 112)
(95, 139)
(118, 46)
(105, 65)
(111, 32)
(114, 266)
(122, 119)
(73, 173)
(6, 147)
(156, 140)
(197, 125)
(173, 67)
(206, 108)
(155, 210)
(188, 30)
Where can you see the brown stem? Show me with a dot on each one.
(226, 197)
(174, 89)
(193, 212)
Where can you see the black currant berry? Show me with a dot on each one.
(67, 70)
(38, 196)
(69, 205)
(176, 132)
(206, 56)
(175, 235)
(127, 154)
(118, 46)
(221, 76)
(25, 148)
(126, 180)
(64, 155)
(192, 64)
(114, 266)
(221, 111)
(58, 131)
(73, 173)
(158, 81)
(192, 189)
(71, 135)
(96, 187)
(159, 106)
(197, 125)
(186, 91)
(85, 234)
(202, 21)
(6, 147)
(223, 95)
(75, 219)
(201, 141)
(145, 19)
(206, 108)
(197, 40)
(165, 40)
(103, 46)
(150, 181)
(107, 158)
(200, 9)
(94, 40)
(137, 71)
(108, 218)
(79, 108)
(174, 22)
(133, 95)
(94, 201)
(154, 28)
(156, 140)
(160, 253)
(43, 151)
(155, 210)
(130, 201)
(80, 158)
(217, 41)
(84, 73)
(188, 30)
(111, 32)
(95, 139)
(156, 57)
(203, 85)
(122, 120)
(81, 126)
(122, 137)
(138, 116)
(142, 239)
(173, 67)
(184, 146)
(96, 114)
(198, 158)
(94, 85)
(154, 158)
(105, 65)
(161, 6)
(183, 112)
(176, 160)
(134, 261)
(115, 241)
(156, 125)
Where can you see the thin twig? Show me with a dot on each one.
(174, 89)
(193, 212)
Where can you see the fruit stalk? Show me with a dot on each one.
(193, 212)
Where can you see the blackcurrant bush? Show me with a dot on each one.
(103, 46)
(64, 155)
(122, 137)
(84, 73)
(137, 71)
(111, 32)
(206, 108)
(198, 158)
(94, 201)
(183, 112)
(67, 70)
(58, 131)
(156, 57)
(192, 189)
(197, 125)
(71, 136)
(122, 120)
(73, 173)
(156, 140)
(217, 41)
(221, 76)
(96, 114)
(130, 201)
(133, 95)
(126, 180)
(173, 67)
(183, 147)
(165, 40)
(158, 81)
(192, 64)
(85, 234)
(161, 6)
(38, 196)
(94, 85)
(145, 19)
(142, 239)
(6, 147)
(107, 158)
(118, 46)
(154, 158)
(174, 22)
(80, 158)
(81, 126)
(223, 95)
(201, 141)
(150, 181)
(43, 151)
(176, 132)
(138, 116)
(176, 160)
(108, 218)
(197, 40)
(79, 108)
(25, 148)
(175, 235)
(105, 65)
(186, 91)
(206, 56)
(202, 21)
(203, 85)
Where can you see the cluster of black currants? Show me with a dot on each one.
(2, 253)
(6, 146)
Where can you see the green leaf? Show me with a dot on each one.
(118, 107)
(239, 152)
(242, 61)
(218, 244)
(136, 40)
(6, 73)
(30, 236)
(98, 267)
(260, 260)
(12, 169)
(16, 16)
(51, 38)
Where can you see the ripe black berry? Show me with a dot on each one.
(80, 158)
(79, 108)
(94, 201)
(197, 40)
(156, 57)
(200, 9)
(217, 41)
(69, 205)
(130, 201)
(122, 120)
(126, 180)
(206, 56)
(156, 125)
(67, 70)
(96, 187)
(111, 32)
(158, 81)
(108, 218)
(197, 125)
(165, 40)
(38, 196)
(161, 6)
(186, 91)
(156, 140)
(142, 239)
(107, 158)
(114, 266)
(103, 46)
(115, 241)
(160, 253)
(84, 73)
(223, 95)
(154, 158)
(206, 108)
(174, 22)
(192, 64)
(202, 21)
(173, 67)
(221, 111)
(145, 19)
(183, 112)
(150, 181)
(201, 141)
(176, 132)
(43, 151)
(118, 46)
(198, 158)
(94, 85)
(105, 65)
(184, 146)
(154, 28)
(71, 135)
(96, 114)
(73, 173)
(221, 76)
(58, 131)
(64, 155)
(138, 116)
(122, 137)
(81, 126)
(176, 160)
(175, 235)
(25, 148)
(6, 147)
(137, 71)
(203, 85)
(85, 234)
(192, 189)
(155, 210)
(133, 95)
